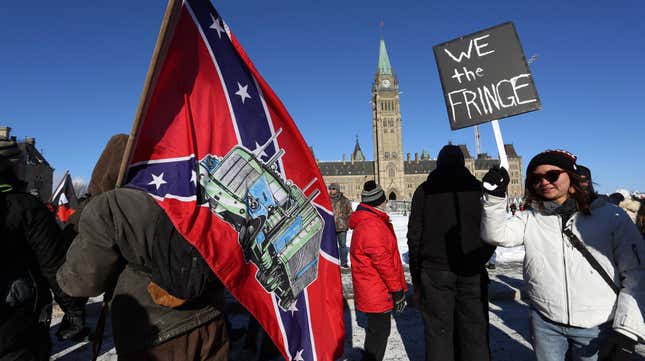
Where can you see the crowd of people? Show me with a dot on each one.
(583, 266)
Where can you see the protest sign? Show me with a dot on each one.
(485, 77)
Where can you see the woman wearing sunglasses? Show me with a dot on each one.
(573, 309)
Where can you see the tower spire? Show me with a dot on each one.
(384, 66)
(357, 154)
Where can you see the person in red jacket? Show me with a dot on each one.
(377, 272)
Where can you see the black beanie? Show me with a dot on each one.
(372, 194)
(450, 156)
(558, 157)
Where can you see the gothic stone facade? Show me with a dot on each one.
(400, 177)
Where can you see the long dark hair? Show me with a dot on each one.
(580, 195)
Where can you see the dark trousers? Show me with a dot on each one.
(378, 330)
(455, 315)
(208, 342)
(341, 238)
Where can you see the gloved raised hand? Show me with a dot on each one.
(399, 301)
(617, 347)
(495, 182)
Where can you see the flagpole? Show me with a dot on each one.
(171, 17)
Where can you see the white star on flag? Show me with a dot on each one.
(292, 308)
(298, 356)
(216, 26)
(157, 180)
(242, 91)
(193, 177)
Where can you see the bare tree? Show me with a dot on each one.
(80, 186)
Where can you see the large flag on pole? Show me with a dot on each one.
(64, 199)
(219, 152)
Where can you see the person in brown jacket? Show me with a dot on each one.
(128, 248)
(342, 207)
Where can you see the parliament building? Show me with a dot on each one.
(400, 175)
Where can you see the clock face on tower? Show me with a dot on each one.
(386, 83)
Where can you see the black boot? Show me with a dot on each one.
(72, 327)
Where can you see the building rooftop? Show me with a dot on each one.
(346, 168)
(424, 166)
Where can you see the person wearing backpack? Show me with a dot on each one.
(30, 254)
(164, 300)
(584, 265)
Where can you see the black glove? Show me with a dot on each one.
(496, 181)
(399, 301)
(617, 347)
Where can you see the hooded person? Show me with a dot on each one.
(447, 261)
(30, 255)
(165, 302)
(377, 271)
(582, 264)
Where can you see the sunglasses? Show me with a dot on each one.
(550, 176)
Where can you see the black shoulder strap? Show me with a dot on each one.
(577, 243)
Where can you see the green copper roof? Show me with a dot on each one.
(384, 66)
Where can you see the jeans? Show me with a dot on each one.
(341, 238)
(552, 341)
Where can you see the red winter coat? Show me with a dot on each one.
(376, 263)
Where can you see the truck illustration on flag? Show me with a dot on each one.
(279, 230)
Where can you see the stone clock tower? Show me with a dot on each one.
(387, 132)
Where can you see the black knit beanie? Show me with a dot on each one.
(558, 157)
(372, 194)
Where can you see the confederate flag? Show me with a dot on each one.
(218, 151)
(64, 199)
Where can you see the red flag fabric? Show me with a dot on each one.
(219, 152)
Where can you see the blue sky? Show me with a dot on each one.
(72, 72)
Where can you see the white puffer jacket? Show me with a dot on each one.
(560, 283)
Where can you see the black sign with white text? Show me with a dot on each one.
(485, 77)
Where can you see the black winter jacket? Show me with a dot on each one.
(30, 255)
(443, 229)
(116, 252)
